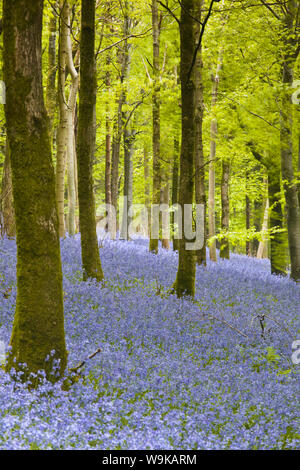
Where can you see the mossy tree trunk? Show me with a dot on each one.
(39, 323)
(185, 280)
(91, 264)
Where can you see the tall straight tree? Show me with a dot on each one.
(39, 323)
(200, 195)
(156, 119)
(290, 52)
(185, 280)
(86, 144)
(8, 227)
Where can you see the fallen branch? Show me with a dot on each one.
(75, 369)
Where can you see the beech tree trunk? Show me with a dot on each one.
(165, 199)
(65, 134)
(51, 94)
(286, 139)
(91, 264)
(153, 246)
(212, 158)
(8, 226)
(147, 185)
(118, 121)
(199, 155)
(224, 244)
(185, 280)
(175, 192)
(39, 323)
(262, 251)
(248, 215)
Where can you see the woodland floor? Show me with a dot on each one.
(169, 375)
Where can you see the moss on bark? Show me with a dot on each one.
(39, 323)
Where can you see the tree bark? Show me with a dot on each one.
(286, 141)
(118, 122)
(185, 280)
(248, 215)
(8, 226)
(91, 264)
(175, 192)
(224, 244)
(65, 138)
(51, 95)
(38, 325)
(153, 246)
(212, 158)
(147, 185)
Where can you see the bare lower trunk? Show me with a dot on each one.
(8, 226)
(262, 251)
(147, 185)
(175, 192)
(224, 244)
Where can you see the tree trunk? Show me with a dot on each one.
(65, 138)
(51, 95)
(165, 196)
(185, 280)
(147, 185)
(129, 136)
(118, 124)
(212, 158)
(38, 325)
(224, 244)
(199, 155)
(175, 192)
(290, 51)
(91, 264)
(8, 227)
(153, 246)
(278, 241)
(248, 215)
(262, 251)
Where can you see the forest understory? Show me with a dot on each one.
(213, 373)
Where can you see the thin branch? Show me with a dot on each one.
(270, 9)
(253, 114)
(200, 39)
(124, 39)
(169, 10)
(82, 363)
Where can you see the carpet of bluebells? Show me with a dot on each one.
(172, 374)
